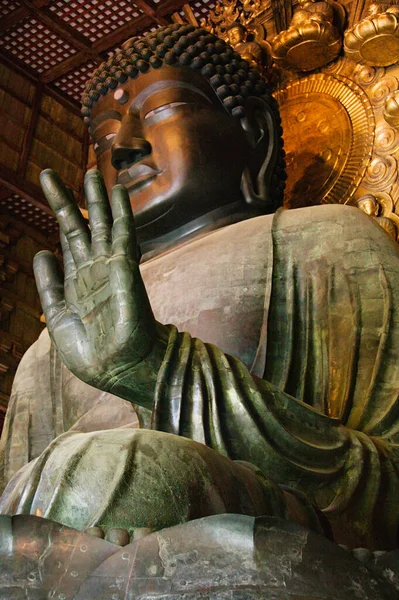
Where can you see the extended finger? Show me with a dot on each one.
(50, 286)
(69, 274)
(69, 263)
(124, 229)
(69, 217)
(99, 213)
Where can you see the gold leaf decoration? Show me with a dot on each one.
(375, 40)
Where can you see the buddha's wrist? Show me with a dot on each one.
(136, 382)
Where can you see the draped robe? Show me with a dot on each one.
(288, 359)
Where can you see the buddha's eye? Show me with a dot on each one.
(163, 108)
(104, 142)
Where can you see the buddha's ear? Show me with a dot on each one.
(260, 128)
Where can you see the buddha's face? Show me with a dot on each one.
(235, 35)
(169, 140)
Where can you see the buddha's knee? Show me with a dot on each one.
(137, 479)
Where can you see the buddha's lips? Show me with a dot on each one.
(137, 174)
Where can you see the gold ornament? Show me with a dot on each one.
(257, 54)
(313, 39)
(391, 109)
(330, 159)
(234, 22)
(375, 40)
(370, 205)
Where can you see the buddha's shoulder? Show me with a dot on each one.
(38, 352)
(324, 213)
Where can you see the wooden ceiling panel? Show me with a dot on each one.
(200, 9)
(95, 18)
(32, 42)
(73, 83)
(29, 214)
(6, 7)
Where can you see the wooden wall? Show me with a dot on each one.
(38, 130)
(20, 310)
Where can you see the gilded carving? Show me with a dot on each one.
(333, 154)
(374, 208)
(233, 11)
(386, 139)
(391, 109)
(375, 39)
(366, 75)
(381, 180)
(324, 164)
(234, 22)
(313, 38)
(381, 172)
(382, 89)
(224, 14)
(257, 54)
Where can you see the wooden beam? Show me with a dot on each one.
(64, 67)
(190, 16)
(176, 18)
(41, 238)
(5, 293)
(149, 9)
(29, 134)
(27, 190)
(65, 31)
(4, 192)
(15, 96)
(13, 18)
(41, 3)
(111, 40)
(18, 14)
(13, 62)
(17, 64)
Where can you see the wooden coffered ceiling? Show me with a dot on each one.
(61, 41)
(48, 48)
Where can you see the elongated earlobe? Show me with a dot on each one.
(261, 132)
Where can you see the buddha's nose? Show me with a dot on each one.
(124, 155)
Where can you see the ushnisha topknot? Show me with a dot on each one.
(231, 77)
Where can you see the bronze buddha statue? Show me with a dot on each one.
(293, 367)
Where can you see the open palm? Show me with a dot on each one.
(99, 317)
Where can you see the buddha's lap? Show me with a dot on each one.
(136, 478)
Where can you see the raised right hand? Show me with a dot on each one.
(99, 318)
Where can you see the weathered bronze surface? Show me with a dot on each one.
(217, 557)
(309, 396)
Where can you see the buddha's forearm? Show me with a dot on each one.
(210, 397)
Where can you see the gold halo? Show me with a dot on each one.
(348, 164)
